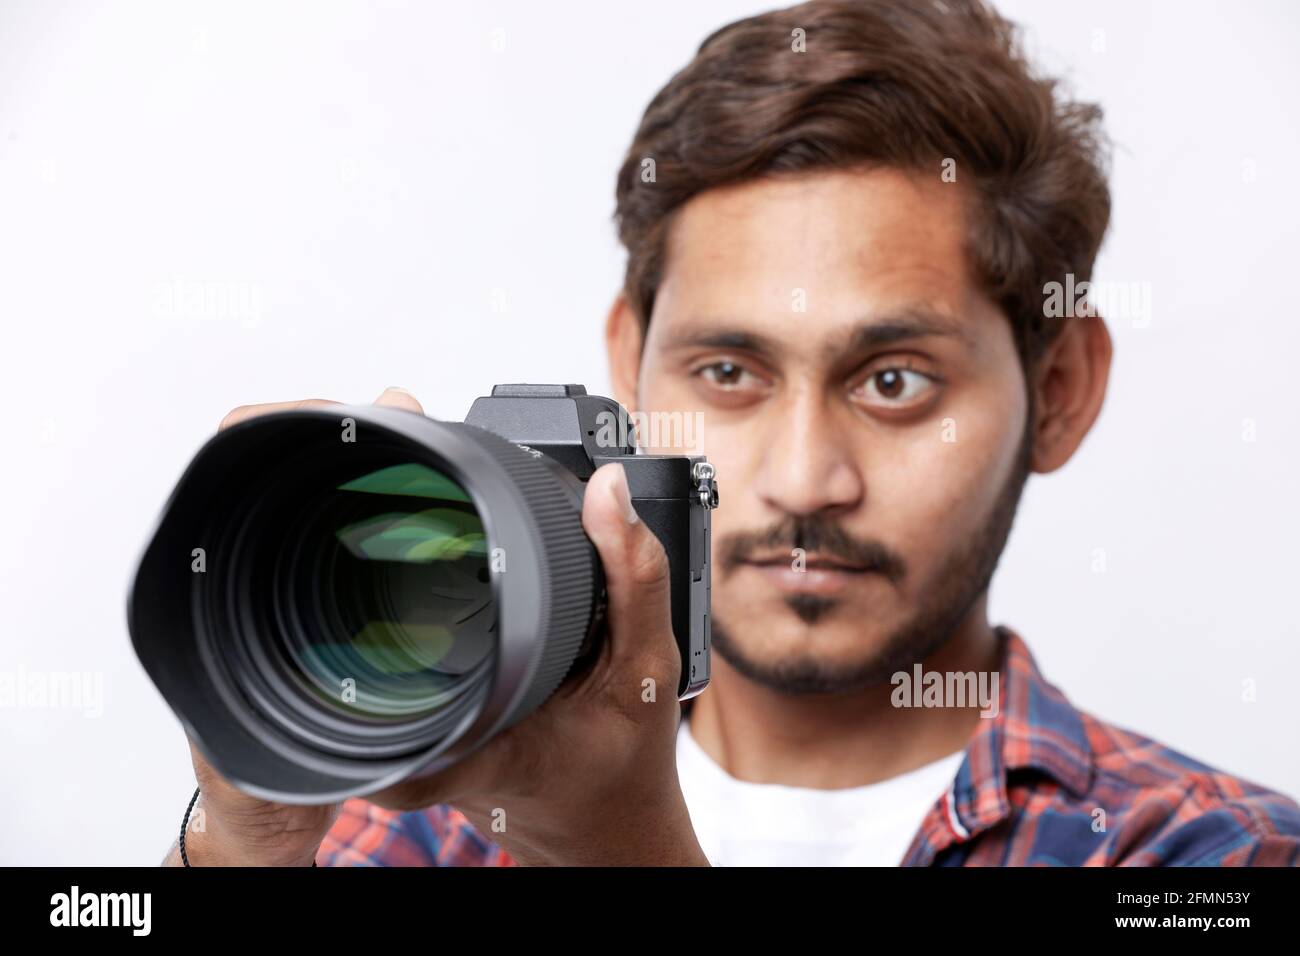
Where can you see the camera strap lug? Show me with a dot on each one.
(707, 488)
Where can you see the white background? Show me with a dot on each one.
(377, 176)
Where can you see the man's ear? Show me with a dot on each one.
(1070, 385)
(623, 343)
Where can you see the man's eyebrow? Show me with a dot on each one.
(876, 333)
(741, 341)
(899, 327)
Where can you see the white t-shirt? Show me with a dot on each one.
(768, 824)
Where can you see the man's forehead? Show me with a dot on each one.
(871, 216)
(827, 233)
(826, 261)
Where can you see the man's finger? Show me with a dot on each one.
(395, 397)
(636, 569)
(244, 412)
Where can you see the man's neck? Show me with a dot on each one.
(844, 740)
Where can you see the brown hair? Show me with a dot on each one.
(883, 82)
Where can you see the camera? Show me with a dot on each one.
(338, 599)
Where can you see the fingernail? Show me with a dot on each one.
(624, 497)
(396, 388)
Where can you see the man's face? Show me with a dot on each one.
(866, 410)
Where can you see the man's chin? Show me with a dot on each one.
(835, 658)
(811, 608)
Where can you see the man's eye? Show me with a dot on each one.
(897, 385)
(723, 374)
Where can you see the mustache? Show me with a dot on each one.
(820, 535)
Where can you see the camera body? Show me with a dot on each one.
(672, 494)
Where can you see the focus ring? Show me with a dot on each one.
(568, 566)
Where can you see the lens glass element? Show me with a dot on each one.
(388, 593)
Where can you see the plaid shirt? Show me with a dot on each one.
(1041, 784)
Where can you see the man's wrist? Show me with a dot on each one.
(214, 847)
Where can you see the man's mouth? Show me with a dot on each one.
(820, 574)
(811, 561)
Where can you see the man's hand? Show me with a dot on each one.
(240, 830)
(590, 778)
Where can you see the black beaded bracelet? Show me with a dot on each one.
(185, 825)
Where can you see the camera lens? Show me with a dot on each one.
(336, 601)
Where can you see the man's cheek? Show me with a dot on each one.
(950, 484)
(922, 517)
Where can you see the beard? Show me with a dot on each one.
(964, 576)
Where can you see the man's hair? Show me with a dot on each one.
(890, 84)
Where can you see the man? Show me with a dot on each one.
(840, 220)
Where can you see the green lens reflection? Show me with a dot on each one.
(395, 594)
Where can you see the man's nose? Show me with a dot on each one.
(808, 465)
